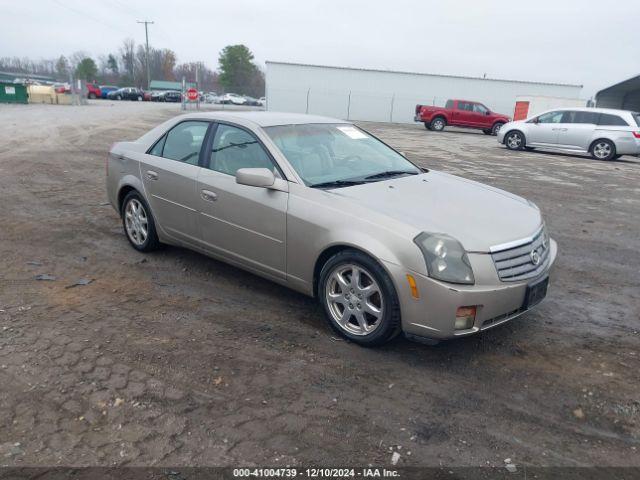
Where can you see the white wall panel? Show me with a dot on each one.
(388, 96)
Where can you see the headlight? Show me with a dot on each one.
(445, 258)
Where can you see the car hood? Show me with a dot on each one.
(477, 215)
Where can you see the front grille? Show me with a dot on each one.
(517, 263)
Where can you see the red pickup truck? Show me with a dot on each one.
(460, 113)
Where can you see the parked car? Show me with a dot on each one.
(146, 96)
(233, 98)
(460, 113)
(253, 102)
(93, 91)
(323, 207)
(105, 89)
(62, 87)
(156, 94)
(127, 93)
(211, 97)
(171, 96)
(606, 134)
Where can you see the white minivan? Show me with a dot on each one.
(606, 134)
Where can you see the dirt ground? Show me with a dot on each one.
(177, 359)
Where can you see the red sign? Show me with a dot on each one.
(192, 94)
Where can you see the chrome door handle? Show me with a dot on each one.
(208, 195)
(151, 175)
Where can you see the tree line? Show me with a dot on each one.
(237, 71)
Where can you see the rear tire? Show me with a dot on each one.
(438, 124)
(603, 149)
(427, 125)
(487, 132)
(359, 299)
(137, 221)
(118, 97)
(617, 156)
(514, 140)
(496, 128)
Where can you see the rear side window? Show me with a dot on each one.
(465, 106)
(183, 142)
(449, 104)
(611, 120)
(573, 116)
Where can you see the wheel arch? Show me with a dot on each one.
(598, 139)
(331, 250)
(128, 184)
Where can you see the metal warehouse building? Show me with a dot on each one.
(388, 96)
(624, 95)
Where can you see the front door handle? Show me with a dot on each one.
(208, 195)
(151, 175)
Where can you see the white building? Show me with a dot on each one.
(387, 96)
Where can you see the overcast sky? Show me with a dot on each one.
(593, 43)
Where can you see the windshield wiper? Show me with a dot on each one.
(337, 183)
(390, 173)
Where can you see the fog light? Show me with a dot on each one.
(465, 317)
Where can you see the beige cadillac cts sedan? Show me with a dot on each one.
(325, 208)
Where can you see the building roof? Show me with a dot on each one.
(626, 86)
(166, 85)
(425, 74)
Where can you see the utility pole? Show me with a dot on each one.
(146, 34)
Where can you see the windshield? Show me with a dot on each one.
(338, 154)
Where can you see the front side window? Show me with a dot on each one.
(234, 148)
(551, 117)
(479, 108)
(183, 142)
(611, 120)
(333, 153)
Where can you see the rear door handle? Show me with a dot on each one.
(208, 195)
(151, 175)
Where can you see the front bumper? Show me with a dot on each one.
(433, 314)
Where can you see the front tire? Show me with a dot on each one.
(514, 140)
(603, 149)
(138, 223)
(359, 299)
(438, 124)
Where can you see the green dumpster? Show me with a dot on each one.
(13, 93)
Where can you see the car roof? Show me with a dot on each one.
(265, 119)
(594, 110)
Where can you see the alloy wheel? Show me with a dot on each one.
(438, 125)
(354, 299)
(602, 150)
(514, 141)
(136, 222)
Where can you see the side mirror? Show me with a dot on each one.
(536, 120)
(255, 177)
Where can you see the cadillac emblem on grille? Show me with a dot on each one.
(535, 257)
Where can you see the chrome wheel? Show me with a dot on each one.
(136, 222)
(354, 299)
(437, 124)
(514, 141)
(602, 150)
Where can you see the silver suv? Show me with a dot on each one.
(604, 133)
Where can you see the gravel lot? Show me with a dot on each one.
(177, 359)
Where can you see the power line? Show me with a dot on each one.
(146, 34)
(84, 14)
